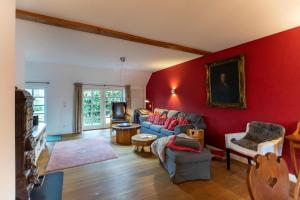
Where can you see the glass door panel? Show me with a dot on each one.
(111, 95)
(97, 108)
(91, 109)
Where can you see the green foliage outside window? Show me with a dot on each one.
(92, 105)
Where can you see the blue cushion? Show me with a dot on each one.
(182, 128)
(193, 118)
(146, 124)
(155, 127)
(166, 132)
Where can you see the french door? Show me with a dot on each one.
(96, 104)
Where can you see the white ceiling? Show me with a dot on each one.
(44, 43)
(210, 25)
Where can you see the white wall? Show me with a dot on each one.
(20, 65)
(7, 105)
(61, 88)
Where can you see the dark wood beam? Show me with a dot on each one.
(35, 17)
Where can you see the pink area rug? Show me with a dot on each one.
(73, 153)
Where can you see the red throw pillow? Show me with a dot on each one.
(150, 118)
(162, 119)
(167, 122)
(172, 146)
(182, 121)
(156, 119)
(172, 125)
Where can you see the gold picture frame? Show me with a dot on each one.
(225, 83)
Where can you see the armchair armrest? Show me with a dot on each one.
(274, 146)
(230, 136)
(182, 128)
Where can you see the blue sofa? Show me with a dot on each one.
(195, 121)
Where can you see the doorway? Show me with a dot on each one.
(96, 105)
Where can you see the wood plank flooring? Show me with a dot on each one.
(136, 177)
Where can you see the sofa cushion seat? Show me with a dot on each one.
(146, 124)
(166, 132)
(183, 157)
(155, 127)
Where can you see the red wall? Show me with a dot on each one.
(272, 68)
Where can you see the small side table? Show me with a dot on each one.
(197, 134)
(142, 140)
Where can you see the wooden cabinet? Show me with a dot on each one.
(39, 137)
(26, 171)
(197, 134)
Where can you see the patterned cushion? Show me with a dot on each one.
(167, 122)
(156, 119)
(150, 118)
(172, 125)
(162, 119)
(182, 121)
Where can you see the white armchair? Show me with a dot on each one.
(271, 145)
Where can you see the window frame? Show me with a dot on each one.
(36, 86)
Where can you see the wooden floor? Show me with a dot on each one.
(135, 177)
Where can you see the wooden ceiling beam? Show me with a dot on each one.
(44, 19)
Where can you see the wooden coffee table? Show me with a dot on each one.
(124, 133)
(142, 140)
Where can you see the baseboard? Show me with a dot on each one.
(61, 133)
(241, 159)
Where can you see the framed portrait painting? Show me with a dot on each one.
(226, 83)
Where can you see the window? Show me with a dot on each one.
(38, 92)
(97, 106)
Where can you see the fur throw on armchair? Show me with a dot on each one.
(259, 132)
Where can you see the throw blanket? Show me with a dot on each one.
(159, 146)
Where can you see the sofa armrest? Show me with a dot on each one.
(143, 118)
(230, 136)
(274, 146)
(182, 128)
